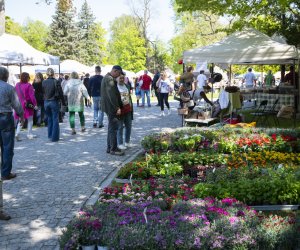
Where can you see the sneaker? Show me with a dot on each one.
(101, 126)
(122, 147)
(73, 133)
(169, 111)
(149, 106)
(83, 129)
(95, 125)
(4, 216)
(117, 152)
(141, 106)
(128, 145)
(162, 113)
(31, 136)
(9, 177)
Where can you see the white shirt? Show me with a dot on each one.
(124, 93)
(201, 78)
(249, 78)
(165, 86)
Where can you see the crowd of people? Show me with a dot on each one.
(45, 101)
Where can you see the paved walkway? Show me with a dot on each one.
(55, 179)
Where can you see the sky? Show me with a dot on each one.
(161, 24)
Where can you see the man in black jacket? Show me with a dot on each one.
(52, 95)
(154, 81)
(95, 91)
(111, 104)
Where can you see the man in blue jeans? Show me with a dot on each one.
(52, 94)
(95, 89)
(145, 88)
(8, 101)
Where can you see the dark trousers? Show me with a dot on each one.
(164, 97)
(7, 142)
(113, 123)
(157, 94)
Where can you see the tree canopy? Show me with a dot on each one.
(268, 16)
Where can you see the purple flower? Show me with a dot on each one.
(240, 213)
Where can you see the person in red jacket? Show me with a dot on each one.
(145, 85)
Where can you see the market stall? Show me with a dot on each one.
(251, 47)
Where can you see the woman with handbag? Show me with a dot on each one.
(26, 96)
(75, 91)
(126, 116)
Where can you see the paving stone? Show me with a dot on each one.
(56, 179)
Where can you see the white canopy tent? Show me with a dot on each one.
(14, 50)
(244, 47)
(68, 66)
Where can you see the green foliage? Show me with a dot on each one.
(267, 16)
(91, 37)
(35, 33)
(280, 186)
(12, 27)
(194, 30)
(126, 46)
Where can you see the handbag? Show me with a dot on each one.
(125, 109)
(28, 104)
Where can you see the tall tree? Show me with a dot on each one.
(35, 33)
(194, 29)
(126, 46)
(63, 36)
(141, 10)
(90, 52)
(268, 16)
(12, 27)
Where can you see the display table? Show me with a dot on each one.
(259, 95)
(201, 122)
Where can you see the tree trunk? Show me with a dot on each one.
(2, 17)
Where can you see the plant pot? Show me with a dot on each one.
(102, 248)
(90, 247)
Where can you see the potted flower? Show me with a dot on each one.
(87, 229)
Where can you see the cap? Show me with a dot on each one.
(50, 72)
(117, 67)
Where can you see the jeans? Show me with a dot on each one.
(113, 122)
(29, 126)
(7, 142)
(147, 92)
(52, 112)
(98, 114)
(38, 117)
(127, 122)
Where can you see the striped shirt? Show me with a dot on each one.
(9, 100)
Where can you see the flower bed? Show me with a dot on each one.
(227, 140)
(165, 207)
(193, 224)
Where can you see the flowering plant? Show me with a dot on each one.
(87, 228)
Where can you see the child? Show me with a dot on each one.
(137, 92)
